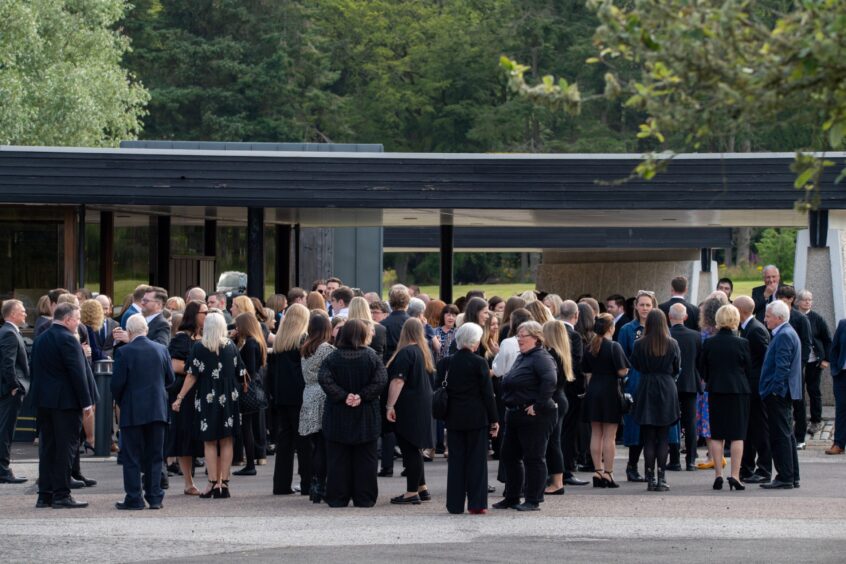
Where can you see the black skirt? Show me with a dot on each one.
(602, 400)
(181, 439)
(729, 415)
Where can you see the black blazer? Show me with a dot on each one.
(14, 367)
(380, 340)
(103, 337)
(820, 335)
(690, 346)
(471, 397)
(619, 325)
(285, 378)
(59, 377)
(158, 330)
(142, 374)
(692, 321)
(761, 302)
(802, 326)
(759, 340)
(726, 365)
(393, 326)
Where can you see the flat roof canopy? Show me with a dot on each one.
(404, 190)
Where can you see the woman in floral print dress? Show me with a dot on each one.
(216, 367)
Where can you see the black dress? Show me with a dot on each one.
(182, 436)
(727, 369)
(414, 404)
(601, 403)
(219, 378)
(657, 400)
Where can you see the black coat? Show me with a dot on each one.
(352, 371)
(759, 340)
(690, 346)
(393, 327)
(379, 340)
(726, 364)
(657, 401)
(414, 404)
(251, 356)
(619, 325)
(761, 302)
(577, 352)
(158, 330)
(799, 322)
(531, 380)
(14, 366)
(692, 321)
(59, 377)
(820, 335)
(471, 399)
(285, 378)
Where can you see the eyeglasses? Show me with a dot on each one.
(203, 311)
(522, 335)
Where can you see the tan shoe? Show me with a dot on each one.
(834, 449)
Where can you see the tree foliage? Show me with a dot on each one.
(778, 246)
(61, 80)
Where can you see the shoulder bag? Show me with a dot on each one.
(253, 397)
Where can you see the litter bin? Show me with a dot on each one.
(103, 422)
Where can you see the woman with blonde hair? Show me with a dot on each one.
(553, 302)
(557, 343)
(409, 406)
(175, 303)
(285, 385)
(539, 312)
(215, 366)
(315, 300)
(241, 304)
(359, 308)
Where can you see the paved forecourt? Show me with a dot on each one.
(627, 524)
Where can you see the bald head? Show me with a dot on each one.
(745, 305)
(678, 313)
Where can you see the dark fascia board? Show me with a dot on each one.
(739, 181)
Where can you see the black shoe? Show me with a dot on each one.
(403, 473)
(573, 481)
(586, 468)
(506, 503)
(402, 500)
(88, 483)
(76, 484)
(173, 469)
(385, 473)
(165, 483)
(245, 471)
(661, 485)
(44, 501)
(776, 485)
(198, 463)
(156, 505)
(735, 485)
(440, 450)
(676, 467)
(270, 450)
(651, 484)
(599, 481)
(491, 489)
(718, 482)
(609, 480)
(755, 479)
(68, 503)
(796, 485)
(559, 491)
(424, 495)
(526, 506)
(11, 479)
(690, 467)
(632, 475)
(124, 507)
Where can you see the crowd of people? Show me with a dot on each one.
(341, 380)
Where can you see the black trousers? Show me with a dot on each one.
(757, 456)
(554, 452)
(782, 439)
(58, 443)
(570, 434)
(813, 377)
(288, 440)
(496, 442)
(318, 456)
(655, 446)
(389, 441)
(800, 416)
(248, 424)
(412, 459)
(260, 434)
(351, 474)
(10, 405)
(467, 470)
(526, 438)
(687, 403)
(143, 446)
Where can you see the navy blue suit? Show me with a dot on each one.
(60, 390)
(142, 373)
(837, 358)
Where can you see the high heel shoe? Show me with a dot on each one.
(735, 485)
(224, 489)
(210, 493)
(598, 480)
(718, 483)
(609, 481)
(86, 446)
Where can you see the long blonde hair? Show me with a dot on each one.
(214, 332)
(244, 304)
(293, 330)
(556, 338)
(539, 312)
(360, 309)
(413, 334)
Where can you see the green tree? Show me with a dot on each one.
(61, 80)
(778, 246)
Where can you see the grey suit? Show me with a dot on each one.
(14, 375)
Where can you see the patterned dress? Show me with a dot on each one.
(314, 399)
(219, 379)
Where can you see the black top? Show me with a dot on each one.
(414, 404)
(619, 325)
(393, 326)
(608, 362)
(471, 399)
(379, 341)
(692, 321)
(180, 346)
(251, 355)
(531, 380)
(348, 371)
(285, 378)
(726, 364)
(690, 346)
(802, 326)
(761, 302)
(759, 341)
(820, 335)
(656, 398)
(577, 352)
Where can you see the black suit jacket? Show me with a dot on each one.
(820, 335)
(380, 339)
(158, 330)
(142, 374)
(103, 337)
(761, 302)
(759, 340)
(471, 397)
(393, 325)
(726, 364)
(690, 346)
(59, 377)
(802, 326)
(692, 321)
(14, 366)
(619, 325)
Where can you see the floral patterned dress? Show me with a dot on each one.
(219, 378)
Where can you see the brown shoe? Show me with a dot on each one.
(834, 449)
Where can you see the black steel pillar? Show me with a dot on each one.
(297, 281)
(160, 252)
(80, 246)
(210, 238)
(447, 244)
(284, 234)
(255, 253)
(818, 228)
(107, 255)
(706, 258)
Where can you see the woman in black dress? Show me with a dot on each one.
(184, 444)
(215, 366)
(253, 351)
(409, 406)
(726, 367)
(557, 343)
(352, 377)
(604, 364)
(657, 357)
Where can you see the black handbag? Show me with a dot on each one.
(440, 400)
(626, 400)
(254, 398)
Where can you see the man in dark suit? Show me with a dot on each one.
(142, 372)
(569, 314)
(818, 361)
(152, 305)
(61, 394)
(757, 463)
(763, 295)
(802, 326)
(14, 382)
(678, 289)
(103, 336)
(837, 356)
(398, 299)
(615, 304)
(690, 346)
(781, 380)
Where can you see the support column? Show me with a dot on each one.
(107, 256)
(80, 246)
(70, 248)
(447, 247)
(255, 253)
(284, 235)
(210, 238)
(160, 253)
(297, 280)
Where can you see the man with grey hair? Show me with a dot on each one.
(14, 382)
(195, 294)
(781, 380)
(762, 295)
(687, 384)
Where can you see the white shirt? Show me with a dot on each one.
(745, 323)
(504, 360)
